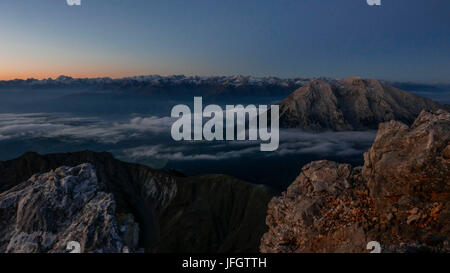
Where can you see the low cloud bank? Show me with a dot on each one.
(292, 142)
(14, 126)
(151, 138)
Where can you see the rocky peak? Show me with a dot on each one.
(350, 104)
(52, 209)
(399, 198)
(409, 164)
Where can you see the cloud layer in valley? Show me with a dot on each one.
(150, 138)
(20, 126)
(292, 142)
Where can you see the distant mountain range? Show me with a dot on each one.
(137, 82)
(171, 86)
(350, 104)
(157, 80)
(213, 86)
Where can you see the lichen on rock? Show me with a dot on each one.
(400, 197)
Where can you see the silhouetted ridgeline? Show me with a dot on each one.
(210, 213)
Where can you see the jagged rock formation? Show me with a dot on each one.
(350, 104)
(410, 164)
(400, 198)
(158, 211)
(52, 209)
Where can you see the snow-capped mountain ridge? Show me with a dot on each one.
(237, 80)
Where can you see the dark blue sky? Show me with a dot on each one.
(406, 40)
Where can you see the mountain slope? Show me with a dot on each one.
(174, 213)
(350, 104)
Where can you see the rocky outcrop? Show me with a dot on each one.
(52, 209)
(400, 198)
(410, 165)
(350, 104)
(156, 211)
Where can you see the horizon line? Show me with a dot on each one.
(211, 76)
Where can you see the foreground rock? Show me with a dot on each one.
(400, 198)
(156, 211)
(350, 104)
(52, 209)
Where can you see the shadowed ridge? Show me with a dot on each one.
(212, 213)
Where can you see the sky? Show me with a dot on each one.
(402, 40)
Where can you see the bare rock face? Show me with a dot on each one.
(320, 212)
(155, 210)
(400, 198)
(350, 104)
(408, 165)
(52, 209)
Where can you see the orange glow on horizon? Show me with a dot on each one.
(21, 69)
(39, 76)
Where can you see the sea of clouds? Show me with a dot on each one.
(152, 137)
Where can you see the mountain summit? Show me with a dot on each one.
(350, 104)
